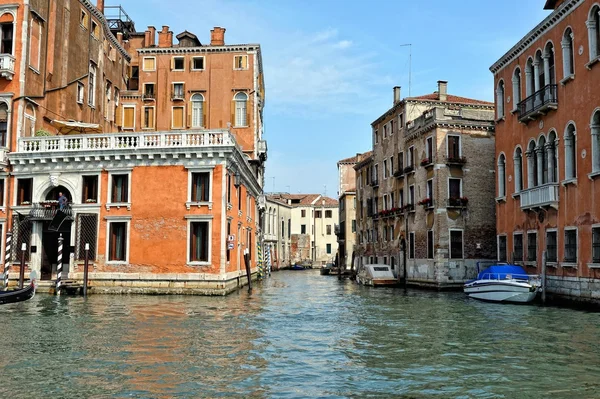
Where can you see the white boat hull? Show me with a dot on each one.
(501, 291)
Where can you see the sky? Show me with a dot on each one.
(330, 65)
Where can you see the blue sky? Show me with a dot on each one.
(330, 65)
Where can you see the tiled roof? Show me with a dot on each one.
(355, 158)
(450, 98)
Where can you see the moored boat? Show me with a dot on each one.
(18, 295)
(504, 283)
(376, 275)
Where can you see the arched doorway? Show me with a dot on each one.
(51, 232)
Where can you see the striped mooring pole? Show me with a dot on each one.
(7, 253)
(260, 261)
(268, 268)
(59, 265)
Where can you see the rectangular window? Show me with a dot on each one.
(240, 62)
(128, 117)
(385, 169)
(595, 244)
(328, 249)
(453, 147)
(551, 246)
(328, 214)
(410, 161)
(6, 43)
(80, 94)
(571, 246)
(239, 196)
(199, 241)
(148, 118)
(531, 247)
(456, 244)
(502, 248)
(400, 198)
(518, 247)
(354, 226)
(411, 195)
(429, 244)
(228, 188)
(134, 78)
(454, 188)
(200, 187)
(178, 63)
(197, 63)
(303, 213)
(391, 166)
(177, 122)
(149, 64)
(35, 44)
(118, 242)
(384, 131)
(411, 245)
(328, 229)
(92, 85)
(178, 91)
(83, 19)
(149, 90)
(2, 187)
(429, 149)
(227, 250)
(95, 30)
(24, 191)
(400, 161)
(401, 120)
(90, 189)
(376, 135)
(317, 214)
(302, 229)
(120, 189)
(430, 189)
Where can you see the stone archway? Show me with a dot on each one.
(54, 193)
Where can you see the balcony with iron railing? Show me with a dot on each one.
(540, 196)
(7, 66)
(539, 103)
(47, 210)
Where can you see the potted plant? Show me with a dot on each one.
(426, 202)
(425, 161)
(90, 201)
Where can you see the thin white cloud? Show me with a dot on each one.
(343, 44)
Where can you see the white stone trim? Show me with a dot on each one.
(191, 203)
(118, 205)
(116, 219)
(571, 264)
(497, 246)
(143, 63)
(199, 218)
(203, 63)
(462, 234)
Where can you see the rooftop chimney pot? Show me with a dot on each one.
(217, 36)
(442, 90)
(396, 94)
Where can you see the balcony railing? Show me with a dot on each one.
(125, 142)
(457, 202)
(539, 197)
(457, 161)
(374, 183)
(7, 66)
(399, 173)
(47, 210)
(538, 103)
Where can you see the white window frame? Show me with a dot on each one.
(199, 204)
(203, 124)
(153, 92)
(461, 185)
(182, 97)
(411, 239)
(144, 116)
(144, 64)
(462, 233)
(123, 117)
(428, 192)
(98, 194)
(80, 90)
(118, 219)
(173, 119)
(537, 248)
(176, 69)
(199, 218)
(497, 246)
(93, 83)
(518, 233)
(235, 110)
(5, 194)
(203, 63)
(385, 169)
(235, 68)
(118, 205)
(552, 230)
(577, 257)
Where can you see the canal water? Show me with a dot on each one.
(298, 335)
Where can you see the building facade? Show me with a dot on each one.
(278, 230)
(158, 148)
(428, 190)
(548, 150)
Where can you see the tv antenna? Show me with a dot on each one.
(409, 45)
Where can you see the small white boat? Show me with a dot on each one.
(376, 275)
(504, 283)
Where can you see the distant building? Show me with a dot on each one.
(427, 193)
(547, 157)
(312, 227)
(277, 230)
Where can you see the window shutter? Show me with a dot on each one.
(244, 62)
(119, 119)
(172, 63)
(204, 107)
(232, 113)
(248, 112)
(189, 114)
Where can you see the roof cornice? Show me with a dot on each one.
(548, 23)
(111, 38)
(469, 125)
(201, 49)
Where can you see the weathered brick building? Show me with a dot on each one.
(429, 182)
(157, 145)
(548, 149)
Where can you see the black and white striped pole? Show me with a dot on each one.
(86, 267)
(59, 265)
(7, 253)
(22, 268)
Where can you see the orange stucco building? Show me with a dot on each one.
(548, 150)
(157, 146)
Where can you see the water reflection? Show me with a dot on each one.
(298, 335)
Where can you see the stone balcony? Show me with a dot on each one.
(7, 66)
(540, 197)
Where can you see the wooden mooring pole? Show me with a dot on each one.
(544, 259)
(248, 272)
(86, 269)
(22, 268)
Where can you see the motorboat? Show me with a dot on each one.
(376, 275)
(504, 283)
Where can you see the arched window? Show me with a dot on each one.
(516, 84)
(540, 79)
(197, 110)
(241, 116)
(551, 155)
(595, 127)
(542, 161)
(531, 165)
(518, 159)
(500, 99)
(593, 25)
(568, 54)
(530, 78)
(549, 70)
(29, 129)
(501, 176)
(7, 33)
(570, 152)
(3, 124)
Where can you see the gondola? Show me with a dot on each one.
(18, 295)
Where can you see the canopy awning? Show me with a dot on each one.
(65, 127)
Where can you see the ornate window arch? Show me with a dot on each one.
(517, 86)
(240, 109)
(518, 168)
(570, 141)
(568, 53)
(500, 95)
(593, 27)
(501, 175)
(198, 108)
(595, 131)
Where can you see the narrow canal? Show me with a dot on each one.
(299, 335)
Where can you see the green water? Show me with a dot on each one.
(299, 335)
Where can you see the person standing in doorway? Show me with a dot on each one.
(62, 201)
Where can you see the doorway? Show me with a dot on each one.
(49, 252)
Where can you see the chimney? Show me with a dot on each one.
(217, 36)
(120, 38)
(165, 37)
(150, 37)
(396, 94)
(442, 90)
(100, 6)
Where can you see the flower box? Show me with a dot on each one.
(409, 169)
(456, 160)
(426, 203)
(458, 202)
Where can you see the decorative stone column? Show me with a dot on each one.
(550, 158)
(569, 157)
(530, 169)
(518, 161)
(528, 86)
(566, 56)
(516, 91)
(536, 81)
(592, 38)
(539, 152)
(502, 177)
(595, 147)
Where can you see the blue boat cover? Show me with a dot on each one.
(499, 272)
